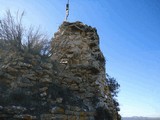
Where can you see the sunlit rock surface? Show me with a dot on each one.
(70, 85)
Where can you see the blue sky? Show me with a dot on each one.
(129, 33)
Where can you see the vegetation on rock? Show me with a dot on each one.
(16, 37)
(64, 79)
(114, 89)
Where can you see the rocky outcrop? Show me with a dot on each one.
(69, 85)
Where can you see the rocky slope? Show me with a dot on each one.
(69, 85)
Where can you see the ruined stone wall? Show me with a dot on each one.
(76, 46)
(70, 85)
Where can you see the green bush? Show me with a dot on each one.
(114, 86)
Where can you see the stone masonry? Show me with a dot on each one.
(76, 47)
(69, 85)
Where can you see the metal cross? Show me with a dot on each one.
(67, 11)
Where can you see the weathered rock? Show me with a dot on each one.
(1, 108)
(57, 110)
(70, 85)
(59, 100)
(43, 94)
(14, 109)
(43, 89)
(25, 117)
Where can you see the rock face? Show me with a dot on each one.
(76, 47)
(70, 85)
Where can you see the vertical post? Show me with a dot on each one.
(67, 11)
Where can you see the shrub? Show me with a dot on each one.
(15, 37)
(113, 85)
(114, 89)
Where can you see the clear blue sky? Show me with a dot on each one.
(129, 33)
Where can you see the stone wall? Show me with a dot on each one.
(69, 85)
(76, 46)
